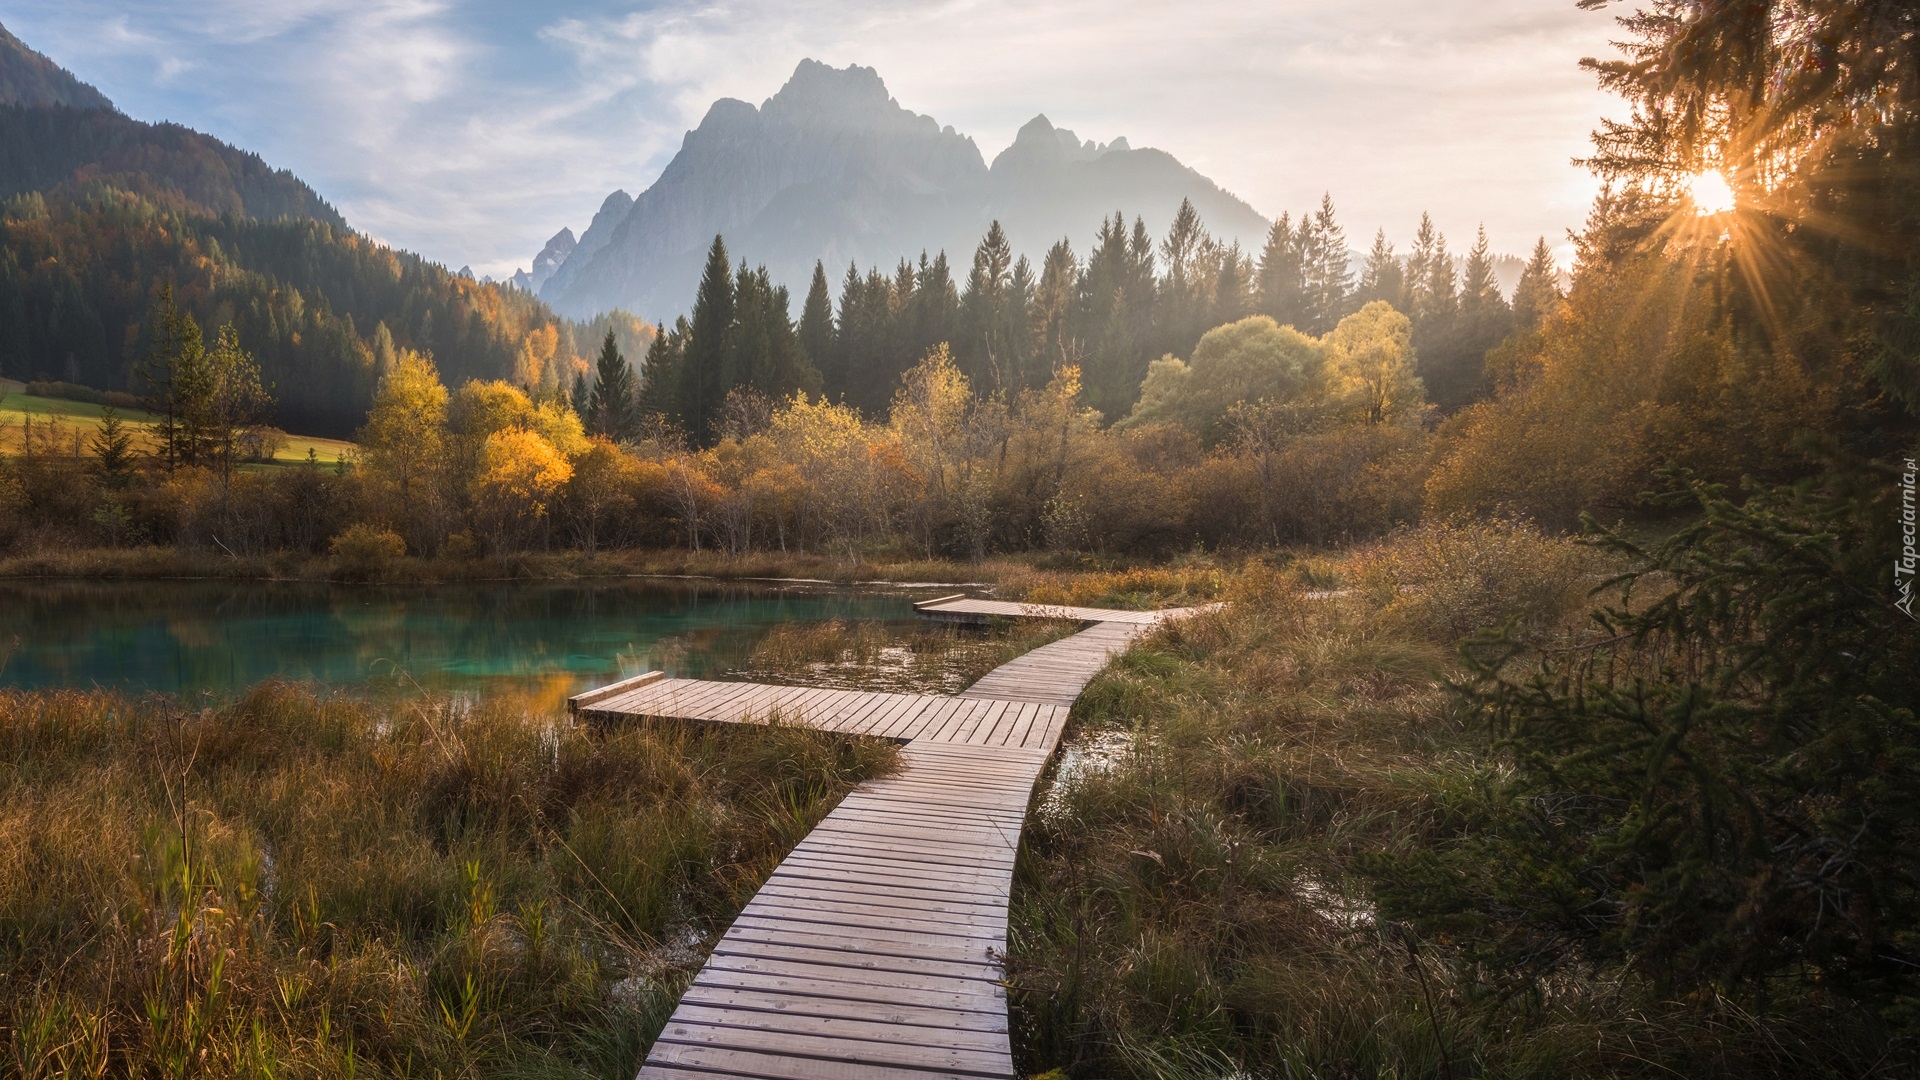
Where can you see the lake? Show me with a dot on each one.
(548, 638)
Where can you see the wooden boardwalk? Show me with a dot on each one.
(966, 609)
(872, 950)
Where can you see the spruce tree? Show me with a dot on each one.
(1538, 292)
(1324, 269)
(986, 353)
(816, 324)
(612, 406)
(936, 305)
(664, 374)
(750, 356)
(1479, 288)
(179, 384)
(1183, 307)
(709, 346)
(112, 447)
(867, 319)
(1051, 337)
(901, 339)
(1280, 283)
(580, 396)
(1104, 283)
(1382, 277)
(1428, 247)
(850, 335)
(1233, 287)
(789, 369)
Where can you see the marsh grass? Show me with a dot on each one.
(925, 658)
(1010, 577)
(1191, 899)
(297, 885)
(1181, 584)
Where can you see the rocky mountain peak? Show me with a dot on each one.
(832, 167)
(1040, 144)
(817, 91)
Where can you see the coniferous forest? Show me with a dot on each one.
(1557, 716)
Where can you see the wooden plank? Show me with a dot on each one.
(580, 701)
(928, 998)
(981, 990)
(746, 999)
(981, 716)
(1007, 722)
(763, 1065)
(887, 706)
(855, 962)
(927, 719)
(921, 907)
(934, 924)
(920, 1035)
(841, 885)
(687, 698)
(836, 1047)
(859, 941)
(868, 867)
(938, 600)
(728, 705)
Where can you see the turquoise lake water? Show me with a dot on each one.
(189, 637)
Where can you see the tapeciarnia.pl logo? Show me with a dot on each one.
(1904, 564)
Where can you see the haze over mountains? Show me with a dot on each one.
(832, 168)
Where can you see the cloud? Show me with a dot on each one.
(471, 130)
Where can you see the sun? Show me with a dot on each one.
(1710, 192)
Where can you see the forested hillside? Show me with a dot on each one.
(27, 78)
(98, 211)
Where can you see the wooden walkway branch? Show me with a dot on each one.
(871, 953)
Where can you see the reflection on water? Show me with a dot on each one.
(550, 638)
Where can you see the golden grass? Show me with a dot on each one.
(1192, 898)
(297, 885)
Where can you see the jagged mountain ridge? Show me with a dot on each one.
(833, 168)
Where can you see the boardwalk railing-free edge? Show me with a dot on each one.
(871, 951)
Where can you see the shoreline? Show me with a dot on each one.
(164, 564)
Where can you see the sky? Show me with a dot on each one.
(472, 130)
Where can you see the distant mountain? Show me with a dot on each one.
(30, 79)
(832, 168)
(545, 263)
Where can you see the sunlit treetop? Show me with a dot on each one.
(1760, 88)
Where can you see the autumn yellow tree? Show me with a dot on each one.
(929, 421)
(599, 491)
(1370, 365)
(533, 365)
(518, 478)
(402, 450)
